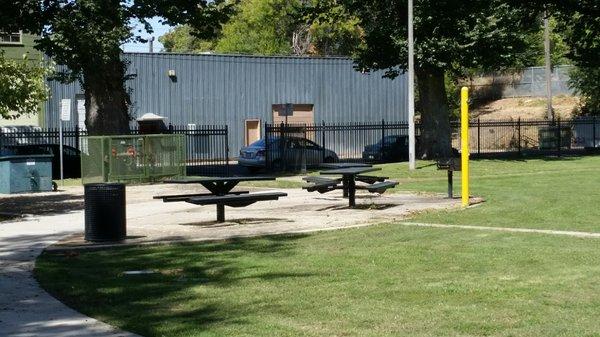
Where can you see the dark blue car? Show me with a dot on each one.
(391, 148)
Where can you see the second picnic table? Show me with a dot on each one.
(350, 174)
(221, 194)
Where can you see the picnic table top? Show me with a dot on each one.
(350, 170)
(343, 165)
(217, 179)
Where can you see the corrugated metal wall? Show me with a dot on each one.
(228, 89)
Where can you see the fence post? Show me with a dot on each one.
(559, 136)
(227, 149)
(594, 132)
(268, 153)
(382, 139)
(77, 136)
(323, 147)
(478, 135)
(519, 133)
(282, 147)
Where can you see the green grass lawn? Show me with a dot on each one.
(381, 280)
(543, 194)
(378, 281)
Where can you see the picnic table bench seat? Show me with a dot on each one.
(231, 200)
(184, 197)
(320, 184)
(318, 180)
(371, 179)
(381, 187)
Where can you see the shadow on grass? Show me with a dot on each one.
(174, 296)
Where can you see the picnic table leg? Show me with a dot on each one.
(351, 192)
(345, 186)
(220, 213)
(450, 184)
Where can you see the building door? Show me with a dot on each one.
(252, 131)
(294, 114)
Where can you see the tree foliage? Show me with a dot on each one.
(451, 37)
(181, 39)
(86, 36)
(22, 87)
(273, 27)
(559, 49)
(260, 27)
(582, 33)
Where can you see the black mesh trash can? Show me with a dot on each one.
(104, 212)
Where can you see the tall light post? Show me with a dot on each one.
(411, 89)
(549, 109)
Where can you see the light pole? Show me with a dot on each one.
(550, 111)
(411, 89)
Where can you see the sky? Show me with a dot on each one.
(159, 29)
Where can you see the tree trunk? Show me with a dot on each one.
(106, 99)
(434, 142)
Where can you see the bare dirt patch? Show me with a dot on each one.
(526, 108)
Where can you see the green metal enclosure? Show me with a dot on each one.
(142, 158)
(21, 174)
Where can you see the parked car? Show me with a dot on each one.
(293, 149)
(71, 157)
(389, 148)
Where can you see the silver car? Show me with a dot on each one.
(292, 150)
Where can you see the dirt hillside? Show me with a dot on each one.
(526, 108)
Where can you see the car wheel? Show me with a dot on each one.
(54, 186)
(329, 160)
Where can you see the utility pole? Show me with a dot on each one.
(550, 111)
(411, 89)
(151, 45)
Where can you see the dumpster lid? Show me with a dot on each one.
(151, 117)
(26, 156)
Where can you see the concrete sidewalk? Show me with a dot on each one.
(26, 309)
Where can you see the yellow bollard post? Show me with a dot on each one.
(464, 144)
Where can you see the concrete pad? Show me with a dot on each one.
(300, 212)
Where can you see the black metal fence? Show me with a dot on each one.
(293, 147)
(207, 146)
(529, 137)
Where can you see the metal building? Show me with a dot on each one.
(244, 92)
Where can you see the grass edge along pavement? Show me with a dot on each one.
(374, 281)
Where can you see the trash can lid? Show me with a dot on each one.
(103, 184)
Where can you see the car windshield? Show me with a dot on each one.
(258, 143)
(261, 142)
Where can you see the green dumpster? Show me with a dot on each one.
(22, 174)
